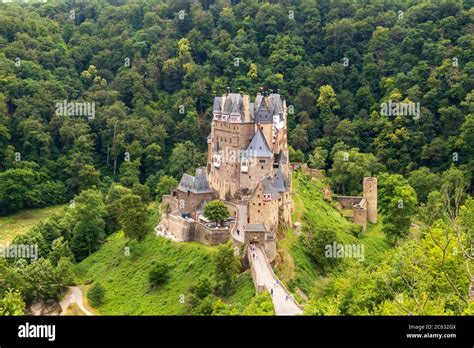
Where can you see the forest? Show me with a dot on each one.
(105, 104)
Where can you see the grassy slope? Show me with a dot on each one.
(125, 278)
(19, 223)
(296, 269)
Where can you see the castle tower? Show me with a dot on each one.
(370, 194)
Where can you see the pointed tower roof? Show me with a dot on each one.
(259, 146)
(195, 184)
(217, 104)
(269, 189)
(280, 180)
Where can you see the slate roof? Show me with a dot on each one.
(217, 104)
(254, 228)
(283, 157)
(266, 107)
(263, 114)
(268, 189)
(195, 184)
(259, 146)
(280, 180)
(233, 103)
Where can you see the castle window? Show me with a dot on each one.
(262, 161)
(259, 204)
(262, 167)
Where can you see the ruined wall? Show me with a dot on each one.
(370, 194)
(347, 202)
(360, 217)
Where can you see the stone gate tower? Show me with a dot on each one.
(370, 194)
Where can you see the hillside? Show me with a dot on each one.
(19, 223)
(315, 213)
(125, 278)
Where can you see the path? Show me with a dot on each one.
(241, 221)
(74, 295)
(283, 301)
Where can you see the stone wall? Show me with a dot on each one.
(347, 202)
(257, 171)
(212, 236)
(265, 212)
(182, 229)
(370, 194)
(169, 203)
(190, 201)
(285, 207)
(270, 249)
(360, 217)
(231, 136)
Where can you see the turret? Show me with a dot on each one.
(370, 194)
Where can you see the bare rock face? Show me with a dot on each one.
(50, 307)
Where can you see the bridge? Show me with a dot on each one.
(265, 279)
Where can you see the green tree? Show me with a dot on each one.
(398, 203)
(60, 249)
(64, 273)
(184, 157)
(88, 177)
(260, 305)
(133, 217)
(12, 303)
(164, 186)
(96, 294)
(116, 192)
(129, 173)
(424, 181)
(317, 159)
(216, 211)
(316, 246)
(159, 273)
(89, 224)
(350, 167)
(226, 266)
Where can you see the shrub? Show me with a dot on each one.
(96, 295)
(159, 273)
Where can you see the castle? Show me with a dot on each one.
(247, 168)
